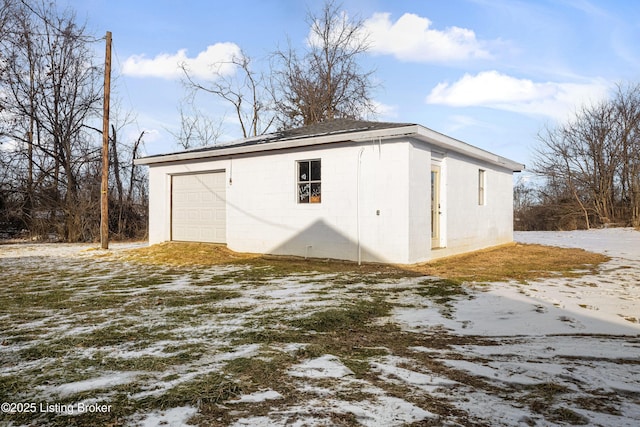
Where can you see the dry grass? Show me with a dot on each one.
(507, 262)
(186, 254)
(513, 262)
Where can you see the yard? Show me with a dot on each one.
(161, 336)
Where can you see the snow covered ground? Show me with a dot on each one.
(554, 351)
(580, 334)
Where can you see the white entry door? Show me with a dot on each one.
(198, 207)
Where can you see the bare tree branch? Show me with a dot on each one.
(325, 81)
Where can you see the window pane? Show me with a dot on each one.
(315, 193)
(303, 171)
(315, 170)
(481, 187)
(303, 193)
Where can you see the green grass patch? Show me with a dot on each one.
(206, 390)
(149, 363)
(182, 299)
(349, 317)
(260, 373)
(21, 299)
(441, 291)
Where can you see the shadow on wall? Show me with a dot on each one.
(321, 240)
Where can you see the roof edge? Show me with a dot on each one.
(416, 131)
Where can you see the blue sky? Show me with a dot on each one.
(489, 72)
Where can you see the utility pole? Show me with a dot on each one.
(104, 191)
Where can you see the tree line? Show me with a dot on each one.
(588, 169)
(50, 112)
(50, 151)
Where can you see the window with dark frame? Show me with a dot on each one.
(309, 186)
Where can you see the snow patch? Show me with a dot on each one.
(174, 417)
(327, 366)
(103, 382)
(259, 396)
(247, 350)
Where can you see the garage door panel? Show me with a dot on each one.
(198, 211)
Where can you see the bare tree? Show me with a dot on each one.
(595, 158)
(126, 213)
(69, 94)
(197, 129)
(325, 81)
(244, 90)
(50, 93)
(627, 108)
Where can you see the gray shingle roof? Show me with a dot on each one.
(337, 126)
(331, 127)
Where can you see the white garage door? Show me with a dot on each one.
(198, 208)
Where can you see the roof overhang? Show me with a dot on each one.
(263, 144)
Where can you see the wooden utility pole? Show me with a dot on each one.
(104, 191)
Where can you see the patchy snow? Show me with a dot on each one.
(327, 366)
(603, 303)
(485, 358)
(511, 309)
(258, 396)
(293, 348)
(247, 350)
(611, 296)
(581, 334)
(428, 382)
(174, 417)
(384, 411)
(102, 382)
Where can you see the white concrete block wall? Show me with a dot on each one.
(419, 203)
(263, 215)
(158, 212)
(470, 225)
(384, 200)
(271, 220)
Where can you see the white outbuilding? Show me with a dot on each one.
(343, 189)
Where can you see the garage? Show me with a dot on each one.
(198, 207)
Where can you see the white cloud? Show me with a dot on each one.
(458, 122)
(214, 59)
(500, 91)
(411, 38)
(385, 111)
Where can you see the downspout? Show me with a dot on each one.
(358, 206)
